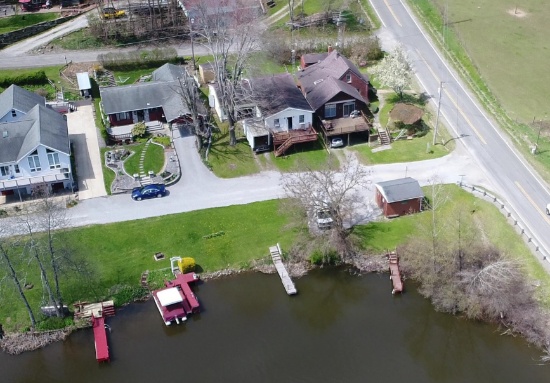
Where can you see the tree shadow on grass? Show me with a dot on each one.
(415, 99)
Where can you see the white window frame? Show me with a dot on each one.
(277, 123)
(123, 116)
(330, 107)
(34, 163)
(348, 78)
(352, 103)
(16, 169)
(4, 171)
(301, 119)
(53, 160)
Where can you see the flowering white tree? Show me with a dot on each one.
(394, 71)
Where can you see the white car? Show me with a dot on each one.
(324, 219)
(336, 142)
(548, 209)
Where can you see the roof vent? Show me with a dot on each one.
(4, 134)
(318, 81)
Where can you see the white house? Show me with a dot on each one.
(34, 144)
(281, 109)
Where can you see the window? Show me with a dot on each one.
(348, 77)
(4, 171)
(301, 119)
(34, 162)
(123, 116)
(330, 110)
(16, 168)
(13, 113)
(277, 123)
(53, 159)
(348, 108)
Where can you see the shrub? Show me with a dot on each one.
(187, 265)
(139, 129)
(34, 78)
(164, 141)
(122, 294)
(324, 257)
(54, 323)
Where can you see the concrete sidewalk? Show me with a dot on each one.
(83, 135)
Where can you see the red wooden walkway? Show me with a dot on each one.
(100, 337)
(395, 274)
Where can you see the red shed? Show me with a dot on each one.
(399, 197)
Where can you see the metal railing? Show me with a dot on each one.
(520, 226)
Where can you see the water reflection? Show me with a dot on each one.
(339, 328)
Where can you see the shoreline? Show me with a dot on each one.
(17, 343)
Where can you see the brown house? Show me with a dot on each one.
(399, 197)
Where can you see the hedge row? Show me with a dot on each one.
(139, 59)
(34, 78)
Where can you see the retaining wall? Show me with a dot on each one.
(21, 34)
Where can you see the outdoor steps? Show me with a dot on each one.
(383, 137)
(294, 140)
(153, 126)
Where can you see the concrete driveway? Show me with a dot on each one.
(83, 135)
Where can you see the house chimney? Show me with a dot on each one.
(329, 48)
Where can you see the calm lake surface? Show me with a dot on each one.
(339, 328)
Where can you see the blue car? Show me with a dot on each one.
(149, 191)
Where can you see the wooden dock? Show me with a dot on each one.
(100, 340)
(395, 273)
(276, 253)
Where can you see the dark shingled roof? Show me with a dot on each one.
(40, 126)
(402, 189)
(334, 65)
(326, 89)
(406, 113)
(19, 99)
(145, 95)
(168, 72)
(277, 93)
(314, 58)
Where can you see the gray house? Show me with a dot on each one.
(34, 144)
(154, 102)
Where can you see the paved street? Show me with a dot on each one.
(506, 170)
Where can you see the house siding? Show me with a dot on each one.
(358, 83)
(283, 117)
(340, 99)
(396, 209)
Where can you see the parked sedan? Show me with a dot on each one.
(336, 142)
(149, 191)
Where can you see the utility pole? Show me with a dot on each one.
(440, 91)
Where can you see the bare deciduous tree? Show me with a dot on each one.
(335, 190)
(231, 35)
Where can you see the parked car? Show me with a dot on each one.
(262, 148)
(324, 219)
(149, 191)
(112, 13)
(336, 142)
(548, 209)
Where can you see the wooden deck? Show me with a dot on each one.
(345, 125)
(275, 252)
(395, 273)
(282, 141)
(100, 340)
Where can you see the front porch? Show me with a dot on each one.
(123, 134)
(282, 141)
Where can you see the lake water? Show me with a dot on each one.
(339, 328)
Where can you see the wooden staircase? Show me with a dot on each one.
(383, 136)
(283, 141)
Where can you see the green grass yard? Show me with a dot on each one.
(312, 156)
(154, 158)
(13, 23)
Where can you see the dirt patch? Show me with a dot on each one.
(517, 12)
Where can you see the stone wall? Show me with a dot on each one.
(21, 34)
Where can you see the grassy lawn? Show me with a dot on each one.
(13, 23)
(131, 76)
(312, 156)
(380, 236)
(516, 37)
(108, 173)
(81, 39)
(52, 72)
(154, 158)
(119, 253)
(231, 161)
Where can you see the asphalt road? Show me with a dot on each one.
(507, 171)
